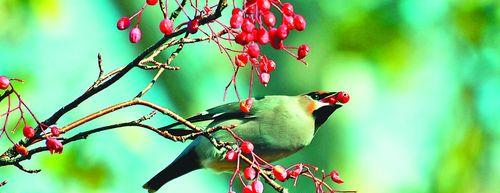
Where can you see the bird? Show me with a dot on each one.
(277, 125)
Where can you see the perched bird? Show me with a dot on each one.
(278, 126)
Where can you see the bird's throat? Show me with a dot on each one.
(321, 114)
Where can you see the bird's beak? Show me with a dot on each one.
(330, 99)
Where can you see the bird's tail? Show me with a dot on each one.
(188, 161)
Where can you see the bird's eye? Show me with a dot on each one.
(314, 95)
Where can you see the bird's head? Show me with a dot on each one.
(322, 104)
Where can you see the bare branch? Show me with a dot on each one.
(163, 9)
(99, 63)
(18, 165)
(174, 14)
(6, 93)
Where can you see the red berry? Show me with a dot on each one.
(276, 42)
(135, 35)
(151, 2)
(282, 32)
(264, 5)
(287, 9)
(335, 177)
(231, 155)
(330, 100)
(241, 59)
(54, 145)
(264, 78)
(166, 26)
(249, 173)
(247, 25)
(299, 22)
(55, 130)
(247, 147)
(288, 21)
(123, 23)
(269, 19)
(244, 38)
(253, 50)
(250, 9)
(28, 131)
(21, 150)
(267, 65)
(241, 39)
(246, 106)
(343, 97)
(247, 189)
(4, 82)
(302, 52)
(280, 173)
(193, 25)
(236, 21)
(237, 11)
(257, 186)
(262, 36)
(249, 37)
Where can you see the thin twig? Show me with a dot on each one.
(163, 8)
(161, 70)
(18, 165)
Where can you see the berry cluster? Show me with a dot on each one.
(135, 34)
(250, 176)
(52, 144)
(166, 25)
(255, 25)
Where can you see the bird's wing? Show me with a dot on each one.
(222, 112)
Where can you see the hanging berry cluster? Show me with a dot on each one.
(250, 176)
(135, 34)
(253, 25)
(52, 144)
(166, 25)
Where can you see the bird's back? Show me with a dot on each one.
(277, 130)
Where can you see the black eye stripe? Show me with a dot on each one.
(317, 95)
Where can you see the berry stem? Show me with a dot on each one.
(7, 119)
(250, 88)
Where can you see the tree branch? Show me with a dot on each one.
(109, 80)
(6, 93)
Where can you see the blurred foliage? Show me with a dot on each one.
(424, 77)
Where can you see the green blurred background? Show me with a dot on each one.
(424, 79)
